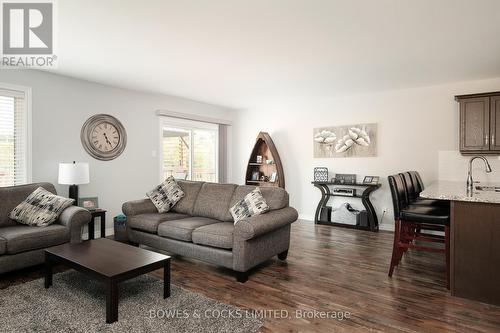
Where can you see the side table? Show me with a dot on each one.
(101, 213)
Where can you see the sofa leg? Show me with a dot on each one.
(283, 255)
(242, 277)
(133, 243)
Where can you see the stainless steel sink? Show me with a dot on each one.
(488, 188)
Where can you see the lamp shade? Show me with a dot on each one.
(73, 173)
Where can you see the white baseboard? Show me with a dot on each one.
(383, 226)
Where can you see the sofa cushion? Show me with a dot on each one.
(216, 235)
(251, 205)
(191, 190)
(12, 196)
(24, 238)
(276, 197)
(3, 246)
(149, 222)
(213, 201)
(166, 195)
(41, 208)
(182, 229)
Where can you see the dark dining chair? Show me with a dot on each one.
(412, 219)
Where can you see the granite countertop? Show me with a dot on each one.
(457, 191)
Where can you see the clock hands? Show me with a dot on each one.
(107, 140)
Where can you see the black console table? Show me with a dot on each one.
(324, 187)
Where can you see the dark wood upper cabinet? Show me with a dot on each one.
(479, 123)
(495, 123)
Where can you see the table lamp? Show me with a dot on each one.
(73, 174)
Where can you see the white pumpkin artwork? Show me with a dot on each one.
(346, 141)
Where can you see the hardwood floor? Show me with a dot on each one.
(335, 269)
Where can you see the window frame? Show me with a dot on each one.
(189, 125)
(27, 91)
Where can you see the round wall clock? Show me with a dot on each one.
(103, 137)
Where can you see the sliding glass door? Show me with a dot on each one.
(189, 150)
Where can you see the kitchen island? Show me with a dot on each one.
(475, 238)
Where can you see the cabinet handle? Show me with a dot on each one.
(493, 139)
(486, 139)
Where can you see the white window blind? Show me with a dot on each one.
(13, 138)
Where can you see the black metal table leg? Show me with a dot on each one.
(48, 271)
(166, 279)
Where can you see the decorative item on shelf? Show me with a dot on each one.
(347, 192)
(73, 174)
(346, 214)
(320, 174)
(264, 178)
(345, 179)
(266, 160)
(274, 177)
(103, 137)
(371, 180)
(89, 203)
(255, 175)
(346, 141)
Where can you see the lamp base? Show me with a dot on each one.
(73, 194)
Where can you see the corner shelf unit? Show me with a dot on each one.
(264, 146)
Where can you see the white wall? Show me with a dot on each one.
(60, 107)
(414, 125)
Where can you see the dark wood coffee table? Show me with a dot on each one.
(110, 262)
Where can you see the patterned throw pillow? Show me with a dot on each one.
(166, 195)
(41, 208)
(252, 204)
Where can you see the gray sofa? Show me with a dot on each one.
(200, 226)
(21, 245)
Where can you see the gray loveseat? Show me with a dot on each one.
(21, 245)
(200, 226)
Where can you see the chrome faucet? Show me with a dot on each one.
(470, 181)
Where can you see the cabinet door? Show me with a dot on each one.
(495, 123)
(475, 124)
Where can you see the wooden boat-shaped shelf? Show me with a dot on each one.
(266, 170)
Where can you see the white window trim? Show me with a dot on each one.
(27, 94)
(188, 125)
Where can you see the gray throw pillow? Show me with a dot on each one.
(252, 204)
(41, 208)
(166, 195)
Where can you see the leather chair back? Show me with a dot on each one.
(410, 189)
(417, 182)
(398, 192)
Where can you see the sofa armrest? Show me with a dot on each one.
(137, 207)
(75, 218)
(255, 226)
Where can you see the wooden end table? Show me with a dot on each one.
(101, 213)
(110, 262)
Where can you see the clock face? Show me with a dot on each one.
(105, 137)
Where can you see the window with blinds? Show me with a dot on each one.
(13, 138)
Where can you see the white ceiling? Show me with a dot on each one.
(240, 53)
